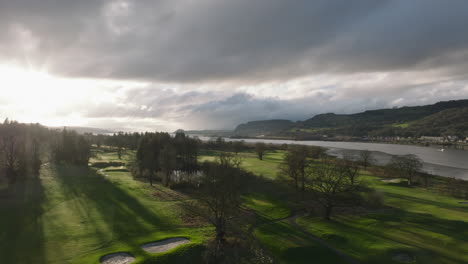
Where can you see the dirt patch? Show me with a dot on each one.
(105, 164)
(403, 257)
(168, 195)
(117, 258)
(121, 168)
(164, 245)
(191, 220)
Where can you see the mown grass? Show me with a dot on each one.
(401, 125)
(432, 228)
(266, 167)
(271, 203)
(77, 215)
(289, 245)
(266, 206)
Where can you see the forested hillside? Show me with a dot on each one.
(440, 119)
(266, 127)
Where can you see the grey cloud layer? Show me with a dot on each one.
(210, 110)
(242, 40)
(217, 63)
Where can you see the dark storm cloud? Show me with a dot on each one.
(242, 40)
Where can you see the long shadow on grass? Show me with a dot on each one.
(428, 202)
(451, 228)
(123, 214)
(21, 229)
(410, 223)
(293, 246)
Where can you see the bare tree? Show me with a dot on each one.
(10, 152)
(237, 146)
(218, 201)
(365, 158)
(295, 165)
(407, 166)
(289, 169)
(260, 149)
(331, 186)
(229, 159)
(350, 169)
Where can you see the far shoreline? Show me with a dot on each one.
(461, 146)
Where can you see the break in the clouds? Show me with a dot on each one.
(165, 64)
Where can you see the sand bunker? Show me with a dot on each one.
(391, 180)
(117, 258)
(164, 245)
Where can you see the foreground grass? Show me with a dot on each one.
(76, 215)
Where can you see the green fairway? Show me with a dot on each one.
(289, 245)
(430, 227)
(286, 243)
(76, 215)
(266, 206)
(266, 167)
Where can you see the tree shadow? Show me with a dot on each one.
(428, 202)
(21, 232)
(423, 245)
(301, 248)
(121, 212)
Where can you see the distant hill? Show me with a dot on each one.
(447, 122)
(382, 116)
(443, 118)
(266, 127)
(207, 133)
(82, 130)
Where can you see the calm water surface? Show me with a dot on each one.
(448, 163)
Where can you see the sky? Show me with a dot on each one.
(146, 65)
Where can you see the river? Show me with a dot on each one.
(448, 163)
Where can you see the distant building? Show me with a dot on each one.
(431, 139)
(452, 138)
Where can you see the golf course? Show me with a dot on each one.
(72, 214)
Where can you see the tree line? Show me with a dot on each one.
(25, 147)
(158, 155)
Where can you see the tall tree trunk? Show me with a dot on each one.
(167, 178)
(328, 212)
(303, 181)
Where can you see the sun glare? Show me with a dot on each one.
(37, 96)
